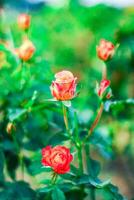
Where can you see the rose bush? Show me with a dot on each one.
(67, 126)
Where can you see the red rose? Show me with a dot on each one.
(24, 21)
(105, 50)
(26, 50)
(58, 158)
(104, 90)
(64, 87)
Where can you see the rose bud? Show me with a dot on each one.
(24, 21)
(26, 50)
(10, 127)
(64, 87)
(58, 158)
(104, 90)
(105, 50)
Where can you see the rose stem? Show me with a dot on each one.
(87, 150)
(80, 159)
(100, 109)
(66, 119)
(88, 168)
(92, 193)
(104, 71)
(79, 148)
(78, 144)
(54, 178)
(95, 122)
(22, 72)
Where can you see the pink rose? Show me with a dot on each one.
(26, 50)
(105, 50)
(104, 90)
(24, 21)
(64, 87)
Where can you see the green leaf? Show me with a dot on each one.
(14, 114)
(45, 182)
(19, 191)
(94, 167)
(32, 100)
(11, 58)
(114, 191)
(45, 189)
(58, 194)
(117, 104)
(85, 179)
(69, 176)
(37, 168)
(58, 138)
(67, 186)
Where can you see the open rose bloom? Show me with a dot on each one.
(64, 87)
(24, 21)
(58, 158)
(105, 50)
(104, 90)
(26, 50)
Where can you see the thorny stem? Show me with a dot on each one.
(97, 118)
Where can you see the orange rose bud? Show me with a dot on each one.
(58, 158)
(104, 90)
(24, 21)
(26, 50)
(105, 50)
(64, 87)
(10, 127)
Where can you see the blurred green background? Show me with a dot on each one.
(66, 38)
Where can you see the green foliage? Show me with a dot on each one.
(65, 38)
(58, 194)
(19, 191)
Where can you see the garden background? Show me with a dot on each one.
(65, 38)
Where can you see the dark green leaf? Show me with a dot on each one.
(85, 179)
(113, 190)
(45, 189)
(16, 113)
(18, 191)
(58, 194)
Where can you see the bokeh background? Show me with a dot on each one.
(65, 34)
